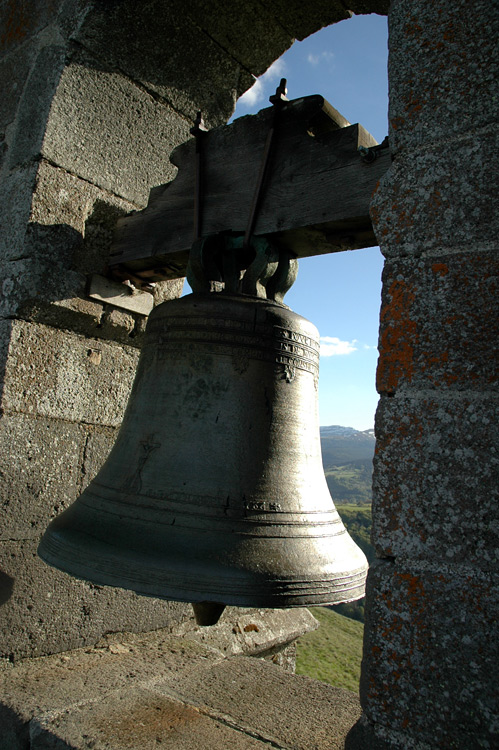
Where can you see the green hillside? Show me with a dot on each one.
(358, 521)
(350, 483)
(343, 449)
(333, 652)
(347, 456)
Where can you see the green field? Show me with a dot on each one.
(358, 521)
(333, 652)
(350, 483)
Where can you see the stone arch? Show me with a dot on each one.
(100, 95)
(105, 92)
(75, 67)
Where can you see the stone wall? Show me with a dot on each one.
(98, 95)
(431, 636)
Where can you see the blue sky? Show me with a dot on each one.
(340, 293)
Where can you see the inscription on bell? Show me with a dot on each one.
(296, 336)
(261, 505)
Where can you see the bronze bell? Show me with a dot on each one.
(214, 491)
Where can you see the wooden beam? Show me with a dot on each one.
(316, 198)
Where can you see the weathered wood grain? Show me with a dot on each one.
(315, 200)
(119, 295)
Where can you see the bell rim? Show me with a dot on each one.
(271, 593)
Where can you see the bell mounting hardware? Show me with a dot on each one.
(297, 173)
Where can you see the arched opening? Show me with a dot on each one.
(99, 98)
(341, 294)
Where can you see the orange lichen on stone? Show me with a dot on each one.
(431, 361)
(405, 219)
(413, 103)
(413, 28)
(437, 197)
(397, 122)
(415, 591)
(442, 269)
(397, 339)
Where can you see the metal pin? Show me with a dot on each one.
(198, 130)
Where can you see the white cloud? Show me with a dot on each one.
(332, 346)
(275, 71)
(321, 57)
(257, 92)
(253, 95)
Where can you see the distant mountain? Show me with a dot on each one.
(347, 456)
(339, 430)
(344, 444)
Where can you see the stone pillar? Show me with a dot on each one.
(431, 639)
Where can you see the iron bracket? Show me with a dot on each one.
(368, 155)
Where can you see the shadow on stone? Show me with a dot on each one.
(15, 729)
(6, 587)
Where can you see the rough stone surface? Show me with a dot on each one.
(52, 480)
(285, 658)
(425, 205)
(61, 198)
(368, 6)
(3, 149)
(35, 104)
(436, 474)
(438, 323)
(71, 16)
(300, 20)
(431, 614)
(249, 32)
(46, 611)
(50, 259)
(99, 441)
(117, 325)
(365, 735)
(42, 698)
(75, 314)
(165, 290)
(58, 683)
(178, 50)
(289, 710)
(138, 719)
(17, 25)
(36, 484)
(441, 54)
(5, 334)
(41, 276)
(61, 375)
(14, 70)
(15, 208)
(91, 131)
(428, 653)
(243, 631)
